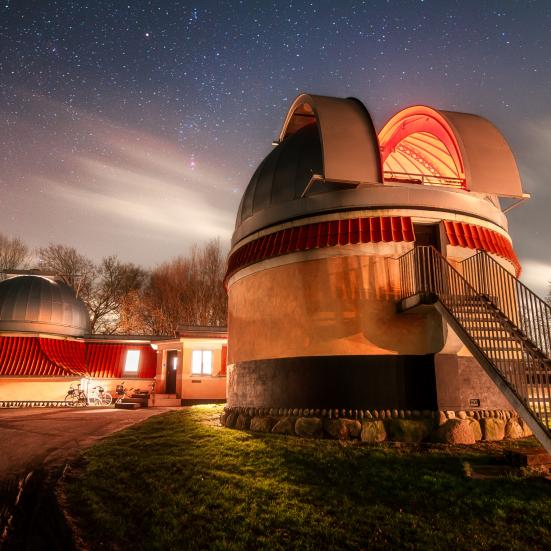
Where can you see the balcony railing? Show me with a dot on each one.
(423, 179)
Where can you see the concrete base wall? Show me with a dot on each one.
(461, 384)
(402, 382)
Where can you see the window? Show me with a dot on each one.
(201, 362)
(132, 362)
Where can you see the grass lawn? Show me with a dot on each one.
(179, 481)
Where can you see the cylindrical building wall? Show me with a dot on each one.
(316, 332)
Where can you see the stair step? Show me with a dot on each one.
(486, 329)
(470, 313)
(490, 320)
(134, 400)
(529, 458)
(483, 335)
(165, 402)
(127, 405)
(480, 312)
(491, 348)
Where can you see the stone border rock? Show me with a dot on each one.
(385, 425)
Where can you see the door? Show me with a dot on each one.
(171, 370)
(429, 265)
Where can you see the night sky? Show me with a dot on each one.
(134, 127)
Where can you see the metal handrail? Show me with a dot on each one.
(491, 325)
(529, 312)
(426, 179)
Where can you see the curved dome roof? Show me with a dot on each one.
(284, 174)
(39, 305)
(460, 147)
(325, 145)
(330, 159)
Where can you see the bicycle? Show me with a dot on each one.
(121, 392)
(100, 397)
(76, 397)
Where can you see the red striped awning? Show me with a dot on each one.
(107, 360)
(319, 235)
(461, 234)
(43, 357)
(23, 356)
(70, 355)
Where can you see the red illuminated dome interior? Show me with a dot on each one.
(418, 146)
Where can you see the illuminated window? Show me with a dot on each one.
(201, 362)
(132, 362)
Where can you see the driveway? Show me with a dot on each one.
(32, 438)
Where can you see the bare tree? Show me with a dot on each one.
(14, 254)
(103, 287)
(166, 299)
(75, 269)
(184, 291)
(114, 281)
(209, 300)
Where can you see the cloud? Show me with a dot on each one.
(151, 194)
(530, 223)
(110, 189)
(537, 276)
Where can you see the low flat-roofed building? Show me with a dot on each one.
(45, 347)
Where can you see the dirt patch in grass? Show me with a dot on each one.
(179, 481)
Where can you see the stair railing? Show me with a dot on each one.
(491, 328)
(528, 311)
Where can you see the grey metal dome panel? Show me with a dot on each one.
(284, 174)
(332, 138)
(36, 304)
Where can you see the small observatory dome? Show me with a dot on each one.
(37, 304)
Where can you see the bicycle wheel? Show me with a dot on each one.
(83, 400)
(106, 399)
(71, 400)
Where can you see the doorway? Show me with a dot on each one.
(427, 234)
(429, 273)
(171, 370)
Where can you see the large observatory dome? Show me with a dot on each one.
(39, 305)
(317, 253)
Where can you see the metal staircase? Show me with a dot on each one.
(505, 326)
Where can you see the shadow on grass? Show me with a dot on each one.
(177, 481)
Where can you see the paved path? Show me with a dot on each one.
(30, 438)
